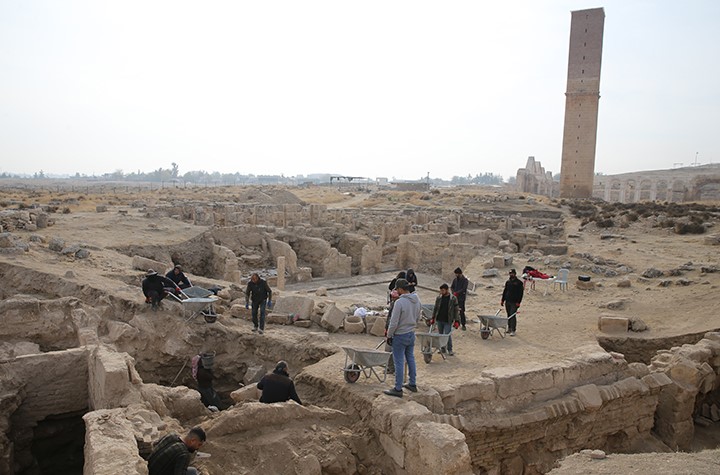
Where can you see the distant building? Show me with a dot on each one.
(701, 183)
(382, 181)
(411, 185)
(534, 179)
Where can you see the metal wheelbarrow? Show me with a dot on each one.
(493, 323)
(361, 360)
(197, 301)
(431, 343)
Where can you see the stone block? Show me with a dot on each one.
(239, 311)
(278, 318)
(608, 324)
(589, 396)
(436, 448)
(498, 262)
(303, 323)
(354, 325)
(57, 244)
(247, 393)
(480, 389)
(378, 328)
(624, 283)
(100, 208)
(143, 263)
(370, 321)
(585, 285)
(393, 449)
(332, 319)
(295, 304)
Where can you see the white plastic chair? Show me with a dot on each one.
(562, 279)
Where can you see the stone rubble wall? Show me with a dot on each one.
(695, 373)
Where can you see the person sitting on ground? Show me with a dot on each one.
(258, 291)
(277, 386)
(171, 454)
(445, 315)
(155, 287)
(177, 275)
(204, 377)
(411, 279)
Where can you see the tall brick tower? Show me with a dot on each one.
(581, 103)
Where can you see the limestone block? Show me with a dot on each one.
(378, 328)
(436, 448)
(100, 208)
(143, 263)
(498, 262)
(332, 319)
(7, 241)
(493, 272)
(585, 285)
(239, 311)
(429, 398)
(393, 449)
(511, 382)
(624, 283)
(278, 318)
(120, 331)
(354, 325)
(608, 324)
(656, 380)
(110, 445)
(589, 396)
(41, 220)
(482, 389)
(297, 305)
(247, 393)
(56, 244)
(321, 292)
(303, 323)
(686, 372)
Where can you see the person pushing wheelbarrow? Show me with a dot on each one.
(511, 298)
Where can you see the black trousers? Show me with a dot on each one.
(511, 308)
(461, 308)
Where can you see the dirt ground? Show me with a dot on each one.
(552, 323)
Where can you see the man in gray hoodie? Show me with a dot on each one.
(401, 336)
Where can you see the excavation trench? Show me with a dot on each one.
(502, 419)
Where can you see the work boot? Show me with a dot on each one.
(393, 392)
(410, 387)
(260, 332)
(255, 329)
(464, 328)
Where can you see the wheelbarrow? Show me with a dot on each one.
(197, 301)
(363, 361)
(431, 343)
(494, 323)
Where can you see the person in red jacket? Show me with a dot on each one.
(511, 298)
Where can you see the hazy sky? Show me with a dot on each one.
(371, 88)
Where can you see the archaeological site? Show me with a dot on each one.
(615, 364)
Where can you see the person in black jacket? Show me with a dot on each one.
(154, 288)
(459, 288)
(277, 386)
(259, 292)
(511, 298)
(412, 280)
(177, 275)
(208, 395)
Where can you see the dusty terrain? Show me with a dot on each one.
(552, 325)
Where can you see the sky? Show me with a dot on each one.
(374, 88)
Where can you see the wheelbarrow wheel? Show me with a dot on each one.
(352, 373)
(427, 357)
(485, 333)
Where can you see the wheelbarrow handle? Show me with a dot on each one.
(380, 344)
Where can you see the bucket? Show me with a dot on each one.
(208, 359)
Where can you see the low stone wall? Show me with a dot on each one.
(609, 417)
(110, 445)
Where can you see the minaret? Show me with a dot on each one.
(577, 171)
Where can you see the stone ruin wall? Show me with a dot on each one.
(318, 242)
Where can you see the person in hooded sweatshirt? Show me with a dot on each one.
(411, 279)
(401, 336)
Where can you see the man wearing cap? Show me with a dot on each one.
(511, 298)
(401, 336)
(459, 288)
(445, 315)
(277, 386)
(177, 275)
(154, 288)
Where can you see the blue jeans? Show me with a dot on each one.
(444, 328)
(255, 307)
(403, 347)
